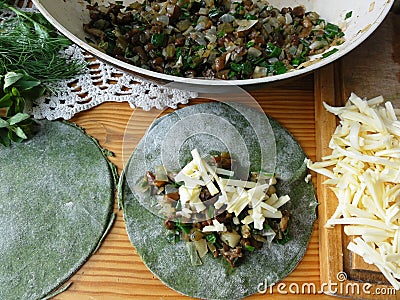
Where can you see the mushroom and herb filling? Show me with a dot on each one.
(207, 208)
(221, 39)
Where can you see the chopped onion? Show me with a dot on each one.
(260, 72)
(211, 35)
(268, 28)
(292, 50)
(170, 188)
(281, 19)
(273, 60)
(160, 173)
(202, 23)
(163, 19)
(274, 22)
(245, 24)
(188, 31)
(203, 11)
(198, 37)
(299, 50)
(201, 247)
(227, 18)
(169, 29)
(254, 52)
(281, 55)
(192, 251)
(200, 26)
(289, 19)
(171, 9)
(142, 185)
(318, 44)
(183, 25)
(269, 235)
(230, 238)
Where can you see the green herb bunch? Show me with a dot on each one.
(30, 61)
(16, 125)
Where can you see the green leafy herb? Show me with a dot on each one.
(249, 248)
(332, 30)
(221, 34)
(29, 61)
(211, 238)
(259, 61)
(193, 254)
(236, 67)
(348, 15)
(239, 10)
(250, 44)
(250, 17)
(215, 12)
(285, 237)
(280, 68)
(247, 68)
(158, 39)
(297, 61)
(274, 51)
(16, 125)
(183, 227)
(29, 43)
(173, 237)
(185, 15)
(222, 49)
(326, 54)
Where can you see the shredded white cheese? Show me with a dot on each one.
(364, 172)
(235, 194)
(216, 226)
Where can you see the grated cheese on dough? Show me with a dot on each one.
(235, 194)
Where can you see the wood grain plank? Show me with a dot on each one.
(332, 262)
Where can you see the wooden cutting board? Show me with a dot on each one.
(115, 271)
(371, 70)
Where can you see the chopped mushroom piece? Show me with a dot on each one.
(196, 216)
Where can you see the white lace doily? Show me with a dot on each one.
(100, 83)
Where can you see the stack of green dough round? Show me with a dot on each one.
(56, 202)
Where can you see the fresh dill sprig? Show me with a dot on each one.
(28, 42)
(30, 60)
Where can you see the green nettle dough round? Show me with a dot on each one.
(56, 202)
(171, 262)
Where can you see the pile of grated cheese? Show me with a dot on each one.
(235, 194)
(364, 174)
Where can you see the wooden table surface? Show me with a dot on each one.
(115, 271)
